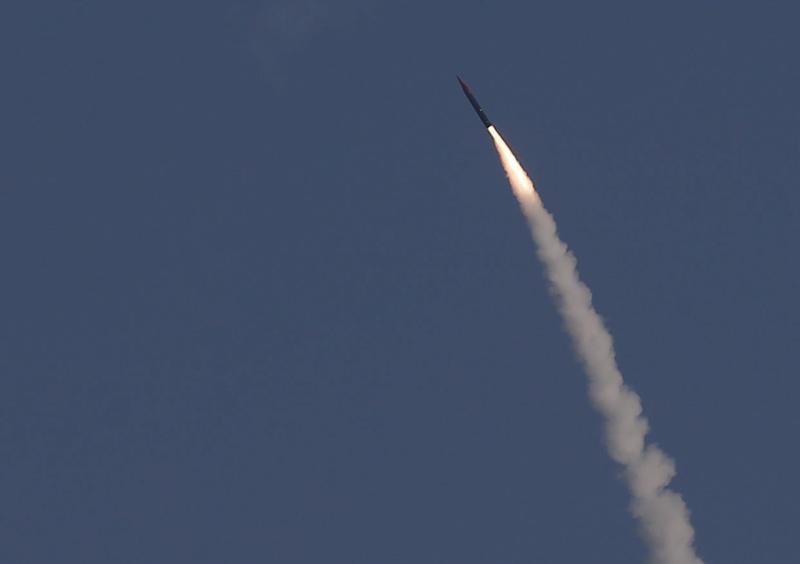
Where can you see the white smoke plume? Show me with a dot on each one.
(662, 514)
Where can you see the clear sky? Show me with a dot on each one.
(266, 297)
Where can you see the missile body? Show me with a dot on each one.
(475, 104)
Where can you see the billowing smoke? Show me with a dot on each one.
(663, 515)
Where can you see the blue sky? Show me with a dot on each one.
(267, 297)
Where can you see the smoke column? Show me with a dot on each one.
(662, 514)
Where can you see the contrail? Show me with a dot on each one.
(662, 513)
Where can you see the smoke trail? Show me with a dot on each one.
(662, 514)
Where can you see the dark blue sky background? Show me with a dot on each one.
(266, 297)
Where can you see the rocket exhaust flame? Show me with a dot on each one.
(662, 513)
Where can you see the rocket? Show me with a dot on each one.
(475, 104)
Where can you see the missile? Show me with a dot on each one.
(475, 104)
